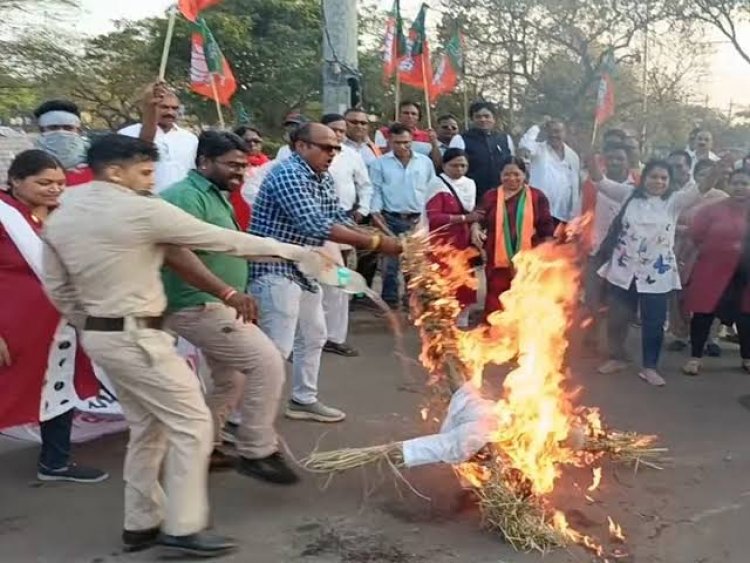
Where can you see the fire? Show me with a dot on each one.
(540, 430)
(615, 531)
(596, 480)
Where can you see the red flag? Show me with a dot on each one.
(450, 67)
(415, 69)
(207, 65)
(394, 42)
(192, 8)
(605, 98)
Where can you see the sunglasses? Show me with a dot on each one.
(325, 147)
(356, 122)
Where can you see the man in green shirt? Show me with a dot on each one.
(231, 345)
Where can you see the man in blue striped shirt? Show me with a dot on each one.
(297, 204)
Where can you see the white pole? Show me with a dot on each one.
(167, 43)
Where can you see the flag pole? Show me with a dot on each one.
(215, 91)
(167, 43)
(398, 95)
(426, 92)
(596, 130)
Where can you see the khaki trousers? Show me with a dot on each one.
(169, 422)
(231, 346)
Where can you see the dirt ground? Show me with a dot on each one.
(694, 511)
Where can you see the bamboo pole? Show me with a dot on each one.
(426, 87)
(215, 91)
(167, 43)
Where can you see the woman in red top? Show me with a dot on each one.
(516, 218)
(451, 211)
(719, 284)
(255, 159)
(38, 352)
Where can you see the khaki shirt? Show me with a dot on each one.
(105, 250)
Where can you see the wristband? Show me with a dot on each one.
(375, 242)
(228, 294)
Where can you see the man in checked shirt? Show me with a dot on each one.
(297, 204)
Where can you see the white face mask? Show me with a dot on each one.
(67, 146)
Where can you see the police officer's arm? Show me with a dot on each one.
(193, 271)
(59, 287)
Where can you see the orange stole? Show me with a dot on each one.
(526, 224)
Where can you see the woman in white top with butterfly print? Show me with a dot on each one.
(640, 268)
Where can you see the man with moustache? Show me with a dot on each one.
(177, 146)
(297, 204)
(230, 344)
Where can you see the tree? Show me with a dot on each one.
(725, 16)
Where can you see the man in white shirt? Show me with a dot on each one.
(555, 168)
(358, 135)
(177, 146)
(703, 145)
(354, 189)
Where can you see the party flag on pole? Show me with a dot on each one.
(191, 9)
(394, 42)
(415, 69)
(210, 73)
(450, 67)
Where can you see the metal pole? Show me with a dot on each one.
(340, 61)
(644, 104)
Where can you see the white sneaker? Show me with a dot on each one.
(613, 366)
(316, 411)
(692, 366)
(652, 377)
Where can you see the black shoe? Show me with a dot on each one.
(72, 473)
(713, 350)
(201, 544)
(340, 349)
(138, 540)
(221, 461)
(272, 469)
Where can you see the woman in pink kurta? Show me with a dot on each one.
(718, 285)
(451, 210)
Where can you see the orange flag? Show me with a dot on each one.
(192, 8)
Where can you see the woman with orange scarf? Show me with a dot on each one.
(517, 217)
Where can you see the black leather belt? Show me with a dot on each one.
(407, 216)
(117, 324)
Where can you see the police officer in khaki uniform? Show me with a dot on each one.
(104, 250)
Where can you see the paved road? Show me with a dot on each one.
(695, 511)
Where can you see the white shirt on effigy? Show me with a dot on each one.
(177, 151)
(351, 180)
(644, 252)
(559, 178)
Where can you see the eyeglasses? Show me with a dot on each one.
(233, 166)
(325, 147)
(356, 122)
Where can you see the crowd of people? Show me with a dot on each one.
(164, 233)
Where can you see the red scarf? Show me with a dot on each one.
(255, 160)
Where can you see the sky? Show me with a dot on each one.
(728, 82)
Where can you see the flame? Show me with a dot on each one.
(615, 531)
(596, 480)
(540, 430)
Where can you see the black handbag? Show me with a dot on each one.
(608, 245)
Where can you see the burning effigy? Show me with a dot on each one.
(510, 450)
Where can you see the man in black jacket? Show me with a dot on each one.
(485, 146)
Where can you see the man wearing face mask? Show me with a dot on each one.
(60, 135)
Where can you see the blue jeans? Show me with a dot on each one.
(391, 268)
(294, 320)
(623, 307)
(55, 452)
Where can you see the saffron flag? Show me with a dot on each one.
(415, 69)
(394, 42)
(450, 67)
(191, 9)
(605, 98)
(210, 73)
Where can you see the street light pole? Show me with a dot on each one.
(340, 61)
